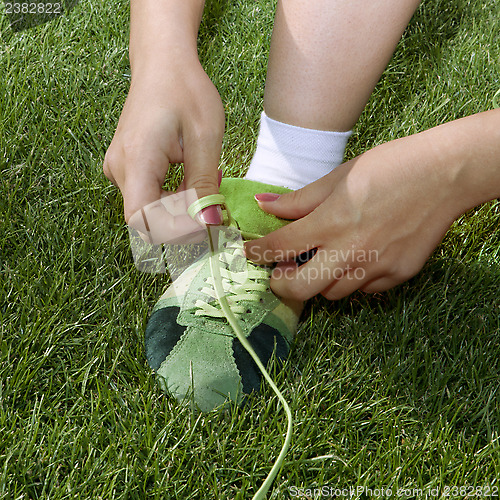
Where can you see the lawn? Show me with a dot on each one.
(397, 390)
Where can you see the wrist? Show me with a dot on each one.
(170, 71)
(472, 156)
(163, 34)
(458, 161)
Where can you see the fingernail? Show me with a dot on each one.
(211, 215)
(266, 197)
(219, 177)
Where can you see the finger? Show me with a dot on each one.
(408, 266)
(202, 151)
(167, 220)
(366, 281)
(286, 243)
(295, 204)
(108, 174)
(381, 284)
(306, 281)
(182, 185)
(354, 278)
(139, 190)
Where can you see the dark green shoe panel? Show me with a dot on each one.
(265, 341)
(162, 334)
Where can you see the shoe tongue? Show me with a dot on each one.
(239, 194)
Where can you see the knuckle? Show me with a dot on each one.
(330, 295)
(114, 156)
(297, 196)
(106, 170)
(131, 150)
(407, 272)
(292, 288)
(294, 200)
(387, 267)
(131, 146)
(399, 273)
(276, 245)
(204, 182)
(298, 292)
(109, 164)
(371, 289)
(399, 276)
(206, 130)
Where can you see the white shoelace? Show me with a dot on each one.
(229, 309)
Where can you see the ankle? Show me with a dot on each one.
(293, 156)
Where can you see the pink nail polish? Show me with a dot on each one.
(266, 197)
(211, 215)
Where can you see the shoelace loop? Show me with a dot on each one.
(239, 286)
(206, 201)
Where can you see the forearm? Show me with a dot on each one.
(162, 31)
(441, 172)
(470, 150)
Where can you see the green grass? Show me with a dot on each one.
(394, 390)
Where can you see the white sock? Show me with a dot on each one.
(293, 157)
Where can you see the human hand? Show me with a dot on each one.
(374, 222)
(169, 117)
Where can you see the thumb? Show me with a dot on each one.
(201, 161)
(295, 204)
(201, 169)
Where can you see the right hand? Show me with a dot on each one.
(168, 117)
(374, 221)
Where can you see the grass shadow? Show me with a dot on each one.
(431, 343)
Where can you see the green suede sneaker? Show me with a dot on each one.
(190, 342)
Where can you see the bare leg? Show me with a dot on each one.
(327, 56)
